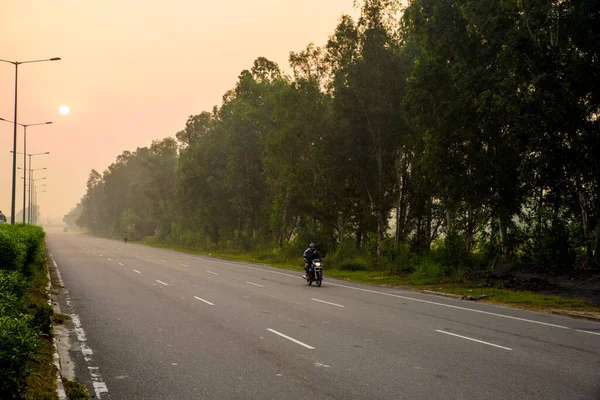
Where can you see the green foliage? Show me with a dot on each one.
(472, 121)
(23, 316)
(76, 390)
(18, 343)
(12, 251)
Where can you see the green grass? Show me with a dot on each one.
(41, 382)
(426, 277)
(76, 390)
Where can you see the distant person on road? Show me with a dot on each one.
(310, 254)
(125, 239)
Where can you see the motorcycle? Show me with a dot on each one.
(315, 273)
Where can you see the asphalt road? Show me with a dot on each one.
(158, 324)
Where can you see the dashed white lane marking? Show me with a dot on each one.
(100, 255)
(327, 302)
(206, 301)
(474, 340)
(401, 297)
(109, 259)
(393, 295)
(210, 272)
(148, 256)
(255, 284)
(121, 264)
(290, 339)
(183, 265)
(162, 283)
(135, 270)
(162, 259)
(591, 333)
(98, 383)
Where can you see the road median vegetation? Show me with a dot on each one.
(26, 345)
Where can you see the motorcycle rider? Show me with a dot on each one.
(310, 254)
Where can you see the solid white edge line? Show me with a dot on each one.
(474, 340)
(135, 270)
(291, 339)
(451, 306)
(161, 282)
(591, 333)
(217, 261)
(210, 272)
(97, 382)
(327, 302)
(394, 295)
(206, 301)
(254, 284)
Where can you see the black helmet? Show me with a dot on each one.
(312, 246)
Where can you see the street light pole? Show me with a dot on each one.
(35, 193)
(14, 168)
(30, 183)
(25, 153)
(25, 184)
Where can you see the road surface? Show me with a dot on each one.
(157, 324)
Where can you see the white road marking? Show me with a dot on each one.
(206, 301)
(100, 255)
(183, 265)
(326, 302)
(149, 256)
(474, 340)
(591, 333)
(255, 284)
(98, 383)
(291, 339)
(121, 264)
(217, 261)
(162, 259)
(162, 283)
(135, 270)
(109, 259)
(210, 272)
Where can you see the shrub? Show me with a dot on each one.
(18, 344)
(357, 264)
(12, 250)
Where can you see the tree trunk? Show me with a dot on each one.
(470, 228)
(502, 233)
(584, 215)
(597, 244)
(359, 236)
(380, 232)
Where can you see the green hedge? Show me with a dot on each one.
(21, 256)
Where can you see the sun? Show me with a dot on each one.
(64, 110)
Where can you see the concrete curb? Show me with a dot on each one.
(60, 387)
(453, 296)
(575, 315)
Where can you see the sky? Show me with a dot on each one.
(131, 71)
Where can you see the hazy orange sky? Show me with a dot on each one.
(131, 71)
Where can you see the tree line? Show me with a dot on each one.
(467, 129)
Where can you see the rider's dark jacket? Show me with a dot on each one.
(310, 255)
